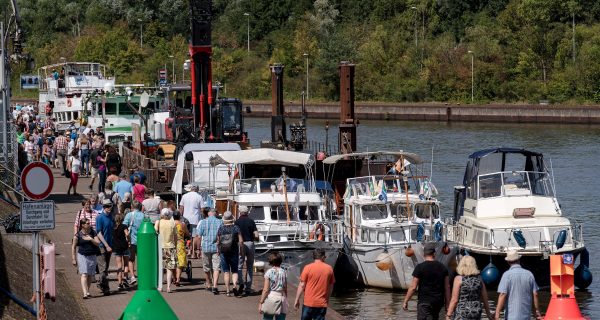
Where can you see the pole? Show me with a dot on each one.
(472, 80)
(306, 76)
(248, 32)
(4, 87)
(173, 68)
(573, 35)
(141, 33)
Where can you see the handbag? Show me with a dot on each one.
(272, 305)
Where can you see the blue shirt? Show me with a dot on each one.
(208, 229)
(122, 187)
(140, 174)
(133, 220)
(519, 285)
(105, 225)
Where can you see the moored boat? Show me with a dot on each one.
(508, 201)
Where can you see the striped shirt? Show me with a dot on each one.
(88, 215)
(208, 229)
(61, 143)
(519, 285)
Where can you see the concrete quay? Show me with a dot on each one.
(190, 301)
(516, 113)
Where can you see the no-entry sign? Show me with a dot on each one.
(37, 181)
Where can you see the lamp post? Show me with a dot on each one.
(416, 38)
(472, 77)
(573, 35)
(248, 33)
(173, 78)
(306, 55)
(141, 33)
(186, 66)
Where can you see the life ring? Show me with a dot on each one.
(317, 233)
(69, 102)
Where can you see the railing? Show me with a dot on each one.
(397, 234)
(315, 146)
(333, 231)
(268, 185)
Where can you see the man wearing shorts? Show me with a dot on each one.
(133, 220)
(191, 205)
(207, 232)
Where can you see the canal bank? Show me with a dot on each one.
(522, 113)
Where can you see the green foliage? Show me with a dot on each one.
(404, 50)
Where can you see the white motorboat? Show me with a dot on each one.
(279, 189)
(508, 201)
(387, 219)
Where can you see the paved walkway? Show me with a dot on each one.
(189, 301)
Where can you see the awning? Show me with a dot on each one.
(411, 157)
(264, 156)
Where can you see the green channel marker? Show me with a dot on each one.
(147, 303)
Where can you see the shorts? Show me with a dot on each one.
(210, 261)
(229, 262)
(121, 253)
(94, 172)
(193, 230)
(169, 258)
(132, 252)
(428, 311)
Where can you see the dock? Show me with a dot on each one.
(189, 301)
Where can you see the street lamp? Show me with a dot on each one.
(248, 33)
(173, 78)
(573, 35)
(472, 77)
(141, 33)
(306, 55)
(186, 66)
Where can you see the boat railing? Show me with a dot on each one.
(272, 185)
(511, 183)
(397, 234)
(331, 230)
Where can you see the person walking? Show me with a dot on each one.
(517, 291)
(431, 278)
(85, 247)
(229, 247)
(122, 187)
(469, 295)
(60, 146)
(167, 231)
(87, 212)
(138, 190)
(74, 166)
(190, 205)
(207, 232)
(249, 235)
(273, 300)
(182, 235)
(152, 205)
(98, 169)
(83, 144)
(121, 250)
(133, 220)
(316, 283)
(105, 226)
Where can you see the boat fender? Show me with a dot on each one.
(420, 232)
(69, 103)
(317, 232)
(490, 273)
(409, 252)
(583, 275)
(384, 261)
(518, 234)
(446, 249)
(561, 239)
(437, 232)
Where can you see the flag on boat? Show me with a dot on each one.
(399, 166)
(372, 189)
(347, 193)
(383, 194)
(428, 189)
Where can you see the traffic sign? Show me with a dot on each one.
(37, 215)
(37, 181)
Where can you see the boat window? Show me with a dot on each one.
(490, 185)
(381, 237)
(399, 210)
(374, 211)
(310, 214)
(364, 235)
(427, 210)
(231, 116)
(278, 213)
(540, 184)
(110, 108)
(372, 234)
(397, 236)
(256, 213)
(125, 110)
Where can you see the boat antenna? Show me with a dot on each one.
(368, 162)
(431, 165)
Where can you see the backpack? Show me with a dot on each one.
(226, 243)
(94, 158)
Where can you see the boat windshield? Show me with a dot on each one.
(511, 183)
(374, 211)
(267, 185)
(256, 213)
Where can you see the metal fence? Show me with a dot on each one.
(9, 149)
(315, 146)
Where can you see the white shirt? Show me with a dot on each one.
(71, 146)
(192, 203)
(75, 164)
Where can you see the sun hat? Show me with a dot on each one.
(512, 255)
(227, 216)
(243, 209)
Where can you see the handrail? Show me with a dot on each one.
(18, 301)
(298, 232)
(7, 170)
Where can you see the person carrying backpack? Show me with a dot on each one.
(229, 245)
(133, 220)
(113, 161)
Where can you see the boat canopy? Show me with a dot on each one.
(500, 160)
(263, 156)
(411, 157)
(201, 175)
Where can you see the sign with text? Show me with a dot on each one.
(37, 215)
(29, 81)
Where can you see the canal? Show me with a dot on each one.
(573, 151)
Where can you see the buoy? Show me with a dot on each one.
(562, 303)
(583, 275)
(409, 252)
(437, 231)
(317, 233)
(384, 261)
(490, 273)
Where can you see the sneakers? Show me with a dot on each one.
(90, 187)
(215, 291)
(132, 281)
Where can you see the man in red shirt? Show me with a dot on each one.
(316, 282)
